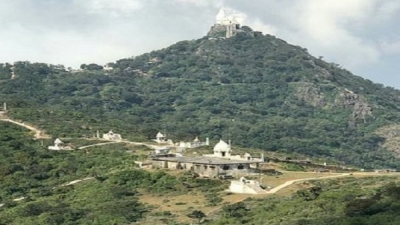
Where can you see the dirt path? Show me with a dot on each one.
(290, 182)
(99, 144)
(39, 134)
(128, 142)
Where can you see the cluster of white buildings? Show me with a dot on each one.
(181, 145)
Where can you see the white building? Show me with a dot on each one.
(229, 19)
(162, 139)
(194, 144)
(224, 150)
(111, 136)
(59, 145)
(244, 186)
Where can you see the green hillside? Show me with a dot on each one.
(347, 201)
(255, 89)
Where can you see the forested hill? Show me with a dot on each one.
(255, 89)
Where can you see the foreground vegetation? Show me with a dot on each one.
(347, 201)
(119, 192)
(29, 170)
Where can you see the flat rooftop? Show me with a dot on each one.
(203, 160)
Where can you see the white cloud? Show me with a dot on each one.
(391, 48)
(323, 25)
(114, 7)
(388, 9)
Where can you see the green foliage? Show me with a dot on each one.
(197, 214)
(259, 91)
(292, 167)
(345, 202)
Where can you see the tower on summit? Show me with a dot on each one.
(228, 19)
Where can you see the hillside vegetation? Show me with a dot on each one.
(257, 90)
(348, 201)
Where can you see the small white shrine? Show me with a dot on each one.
(111, 136)
(59, 145)
(162, 139)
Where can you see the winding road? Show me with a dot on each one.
(39, 134)
(290, 182)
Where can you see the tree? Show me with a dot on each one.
(197, 214)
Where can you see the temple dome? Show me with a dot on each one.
(58, 141)
(222, 146)
(160, 135)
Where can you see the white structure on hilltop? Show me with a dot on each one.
(244, 186)
(13, 75)
(229, 19)
(111, 136)
(107, 67)
(59, 145)
(194, 144)
(224, 150)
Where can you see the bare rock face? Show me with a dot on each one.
(391, 134)
(217, 30)
(310, 93)
(359, 105)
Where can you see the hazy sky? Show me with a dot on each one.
(362, 36)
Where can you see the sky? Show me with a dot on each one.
(362, 36)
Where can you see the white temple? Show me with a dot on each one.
(224, 150)
(162, 139)
(59, 145)
(111, 136)
(229, 19)
(226, 17)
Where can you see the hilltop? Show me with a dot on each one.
(257, 90)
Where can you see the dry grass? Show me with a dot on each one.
(179, 205)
